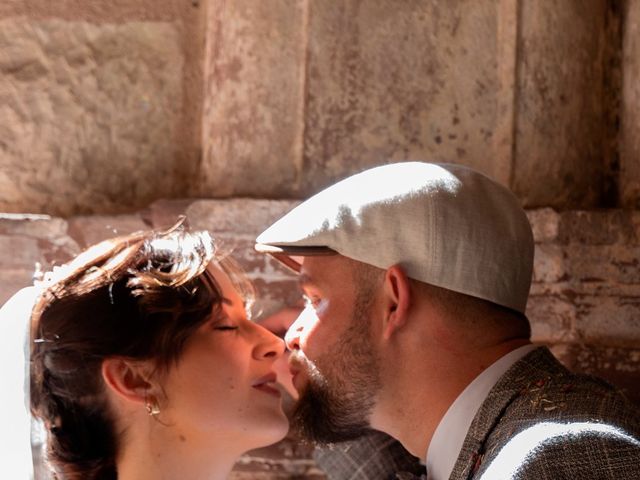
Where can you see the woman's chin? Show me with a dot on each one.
(271, 430)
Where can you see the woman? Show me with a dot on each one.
(145, 364)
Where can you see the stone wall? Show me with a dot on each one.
(522, 90)
(109, 105)
(630, 108)
(584, 304)
(99, 103)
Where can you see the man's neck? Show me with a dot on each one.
(417, 400)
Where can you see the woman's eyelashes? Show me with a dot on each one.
(224, 323)
(225, 327)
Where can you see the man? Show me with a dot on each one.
(416, 278)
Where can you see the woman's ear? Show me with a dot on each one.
(128, 379)
(397, 294)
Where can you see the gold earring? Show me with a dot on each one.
(152, 407)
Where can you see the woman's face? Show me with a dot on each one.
(224, 384)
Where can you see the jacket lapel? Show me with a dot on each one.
(525, 373)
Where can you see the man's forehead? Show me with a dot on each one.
(314, 270)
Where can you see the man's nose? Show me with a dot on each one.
(292, 337)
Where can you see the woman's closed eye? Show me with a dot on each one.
(225, 324)
(225, 327)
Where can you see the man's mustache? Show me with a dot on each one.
(297, 361)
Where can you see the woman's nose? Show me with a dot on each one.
(269, 346)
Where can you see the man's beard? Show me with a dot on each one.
(337, 403)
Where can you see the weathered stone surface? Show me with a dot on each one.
(586, 277)
(97, 11)
(424, 80)
(559, 130)
(87, 230)
(544, 224)
(619, 366)
(88, 115)
(389, 82)
(253, 115)
(38, 226)
(630, 108)
(600, 227)
(13, 280)
(612, 321)
(107, 96)
(165, 213)
(615, 263)
(552, 318)
(19, 252)
(237, 216)
(549, 263)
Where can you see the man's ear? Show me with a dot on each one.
(397, 294)
(128, 379)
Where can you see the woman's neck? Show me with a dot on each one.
(163, 455)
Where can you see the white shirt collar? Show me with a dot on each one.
(449, 436)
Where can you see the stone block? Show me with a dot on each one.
(552, 318)
(559, 103)
(599, 227)
(616, 264)
(629, 178)
(13, 280)
(544, 224)
(163, 214)
(390, 81)
(18, 252)
(57, 251)
(256, 265)
(29, 225)
(237, 216)
(253, 113)
(608, 320)
(88, 230)
(548, 265)
(89, 114)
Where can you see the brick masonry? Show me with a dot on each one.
(584, 299)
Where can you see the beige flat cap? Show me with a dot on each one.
(446, 225)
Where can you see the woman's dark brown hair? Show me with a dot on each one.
(140, 297)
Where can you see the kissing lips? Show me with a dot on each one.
(268, 384)
(296, 366)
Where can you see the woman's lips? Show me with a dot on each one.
(268, 384)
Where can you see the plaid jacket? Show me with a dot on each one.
(538, 422)
(542, 422)
(375, 456)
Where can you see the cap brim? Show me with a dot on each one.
(286, 254)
